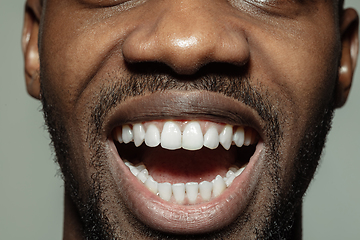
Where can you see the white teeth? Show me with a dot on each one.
(165, 191)
(192, 189)
(127, 134)
(239, 137)
(247, 138)
(118, 135)
(192, 137)
(205, 189)
(171, 136)
(211, 138)
(152, 136)
(179, 192)
(152, 185)
(239, 171)
(226, 137)
(229, 173)
(229, 180)
(134, 171)
(143, 175)
(128, 164)
(139, 134)
(218, 185)
(140, 167)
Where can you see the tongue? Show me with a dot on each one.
(182, 166)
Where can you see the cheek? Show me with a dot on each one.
(75, 47)
(300, 71)
(307, 78)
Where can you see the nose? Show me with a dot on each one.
(186, 35)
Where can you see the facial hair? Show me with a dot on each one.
(277, 221)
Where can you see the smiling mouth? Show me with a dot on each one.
(185, 162)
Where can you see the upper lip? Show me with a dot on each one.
(181, 105)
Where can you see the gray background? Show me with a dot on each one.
(31, 191)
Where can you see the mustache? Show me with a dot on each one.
(228, 82)
(116, 88)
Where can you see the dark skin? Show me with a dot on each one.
(297, 56)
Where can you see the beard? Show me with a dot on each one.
(277, 218)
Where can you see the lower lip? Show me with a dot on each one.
(187, 219)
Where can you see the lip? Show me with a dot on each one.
(185, 219)
(183, 105)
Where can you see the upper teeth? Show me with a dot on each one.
(189, 135)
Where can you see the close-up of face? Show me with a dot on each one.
(188, 119)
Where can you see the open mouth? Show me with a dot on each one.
(185, 162)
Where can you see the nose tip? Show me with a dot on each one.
(187, 41)
(188, 58)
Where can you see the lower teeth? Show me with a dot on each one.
(185, 193)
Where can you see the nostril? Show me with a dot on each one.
(186, 56)
(187, 40)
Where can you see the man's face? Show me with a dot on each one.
(130, 81)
